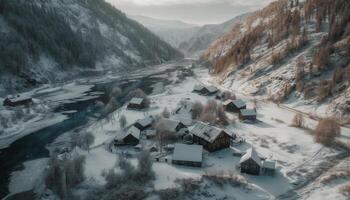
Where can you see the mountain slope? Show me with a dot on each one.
(188, 38)
(172, 31)
(290, 51)
(202, 38)
(48, 41)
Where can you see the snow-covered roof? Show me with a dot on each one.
(18, 98)
(169, 124)
(135, 132)
(136, 101)
(227, 102)
(251, 154)
(239, 103)
(207, 132)
(145, 121)
(198, 87)
(212, 89)
(184, 152)
(185, 108)
(248, 112)
(269, 164)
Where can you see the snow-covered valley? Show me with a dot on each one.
(300, 162)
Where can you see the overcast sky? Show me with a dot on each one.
(191, 11)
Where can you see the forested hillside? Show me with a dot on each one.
(290, 49)
(52, 40)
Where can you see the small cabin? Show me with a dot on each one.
(247, 114)
(189, 155)
(234, 105)
(137, 104)
(199, 89)
(131, 137)
(145, 123)
(17, 100)
(250, 162)
(205, 90)
(268, 167)
(210, 137)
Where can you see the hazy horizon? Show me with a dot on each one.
(197, 12)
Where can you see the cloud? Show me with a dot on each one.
(254, 3)
(192, 11)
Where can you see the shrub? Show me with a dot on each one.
(122, 121)
(345, 190)
(298, 121)
(228, 95)
(220, 178)
(326, 131)
(197, 110)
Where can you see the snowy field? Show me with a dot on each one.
(299, 158)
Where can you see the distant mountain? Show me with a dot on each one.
(202, 38)
(189, 38)
(290, 51)
(172, 31)
(53, 40)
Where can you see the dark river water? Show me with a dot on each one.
(33, 146)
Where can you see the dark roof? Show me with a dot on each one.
(184, 152)
(207, 132)
(239, 103)
(251, 154)
(248, 112)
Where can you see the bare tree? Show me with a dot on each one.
(228, 95)
(197, 110)
(88, 140)
(122, 121)
(222, 117)
(326, 131)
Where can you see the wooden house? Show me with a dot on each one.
(250, 162)
(145, 123)
(190, 155)
(137, 104)
(234, 105)
(17, 100)
(131, 137)
(210, 137)
(247, 114)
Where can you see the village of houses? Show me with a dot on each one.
(257, 142)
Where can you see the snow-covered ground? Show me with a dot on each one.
(295, 151)
(298, 157)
